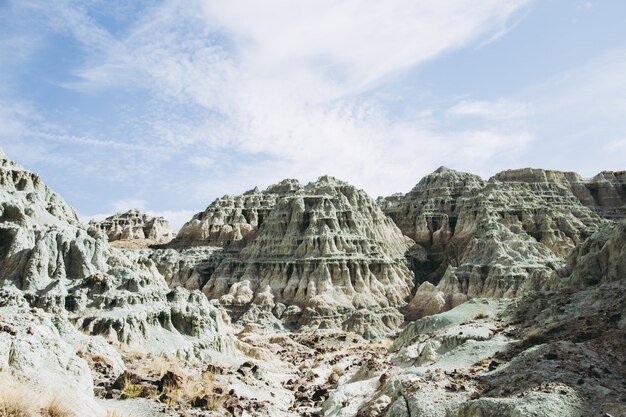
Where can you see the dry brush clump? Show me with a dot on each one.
(55, 408)
(204, 392)
(165, 379)
(16, 400)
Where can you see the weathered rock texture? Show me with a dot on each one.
(57, 276)
(135, 225)
(233, 221)
(326, 249)
(312, 255)
(549, 353)
(487, 238)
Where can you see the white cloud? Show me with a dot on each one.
(128, 204)
(496, 110)
(287, 85)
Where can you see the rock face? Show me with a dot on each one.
(312, 255)
(549, 353)
(486, 239)
(58, 276)
(134, 225)
(233, 221)
(326, 249)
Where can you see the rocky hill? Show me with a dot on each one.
(319, 255)
(487, 238)
(67, 298)
(135, 226)
(462, 298)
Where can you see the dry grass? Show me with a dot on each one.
(535, 336)
(481, 315)
(15, 402)
(206, 388)
(115, 413)
(157, 365)
(55, 408)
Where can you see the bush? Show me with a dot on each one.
(55, 409)
(14, 402)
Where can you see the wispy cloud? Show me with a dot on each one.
(289, 80)
(288, 87)
(496, 110)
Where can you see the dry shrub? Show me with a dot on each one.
(55, 408)
(15, 401)
(205, 390)
(481, 315)
(535, 336)
(158, 365)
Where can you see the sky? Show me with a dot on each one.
(166, 105)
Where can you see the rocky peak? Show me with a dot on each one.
(326, 251)
(135, 225)
(287, 186)
(25, 198)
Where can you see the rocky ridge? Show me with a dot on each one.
(320, 255)
(134, 225)
(64, 290)
(488, 238)
(532, 281)
(549, 353)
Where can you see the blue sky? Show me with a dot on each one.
(166, 105)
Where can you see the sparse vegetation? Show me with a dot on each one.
(17, 401)
(205, 392)
(535, 336)
(481, 315)
(55, 408)
(114, 413)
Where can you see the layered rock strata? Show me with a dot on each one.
(487, 238)
(549, 353)
(233, 221)
(135, 225)
(61, 276)
(315, 256)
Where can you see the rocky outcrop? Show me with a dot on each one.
(548, 353)
(326, 250)
(233, 221)
(58, 276)
(498, 234)
(135, 225)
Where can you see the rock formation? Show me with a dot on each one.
(549, 353)
(134, 225)
(58, 276)
(488, 238)
(326, 250)
(233, 221)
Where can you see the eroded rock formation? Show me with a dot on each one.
(326, 250)
(233, 221)
(497, 234)
(135, 225)
(58, 276)
(549, 353)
